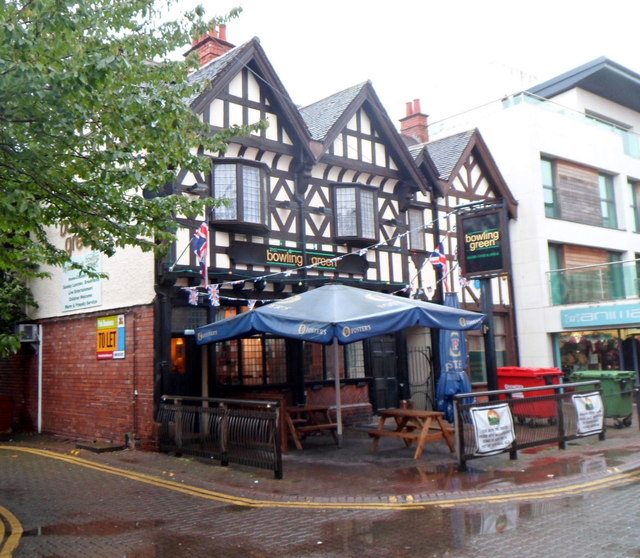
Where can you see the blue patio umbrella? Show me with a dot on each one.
(453, 365)
(334, 314)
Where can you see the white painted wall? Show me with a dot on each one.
(130, 283)
(517, 136)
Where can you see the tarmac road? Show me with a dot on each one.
(66, 503)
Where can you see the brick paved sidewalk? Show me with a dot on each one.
(322, 472)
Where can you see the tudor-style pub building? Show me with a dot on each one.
(321, 195)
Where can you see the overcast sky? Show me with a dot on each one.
(453, 55)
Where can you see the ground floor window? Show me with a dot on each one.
(318, 361)
(589, 350)
(475, 348)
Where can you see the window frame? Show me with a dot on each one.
(242, 221)
(607, 201)
(360, 237)
(551, 207)
(417, 231)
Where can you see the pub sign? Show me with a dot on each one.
(483, 242)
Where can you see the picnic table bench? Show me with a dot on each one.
(413, 425)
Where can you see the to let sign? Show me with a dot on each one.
(110, 337)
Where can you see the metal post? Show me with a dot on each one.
(489, 341)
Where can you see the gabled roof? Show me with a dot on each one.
(446, 153)
(322, 115)
(327, 118)
(449, 154)
(219, 72)
(602, 77)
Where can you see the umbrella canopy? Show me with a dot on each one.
(338, 314)
(453, 365)
(347, 314)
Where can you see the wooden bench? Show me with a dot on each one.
(412, 425)
(311, 418)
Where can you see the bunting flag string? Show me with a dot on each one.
(214, 294)
(201, 242)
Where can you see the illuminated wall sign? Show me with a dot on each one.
(110, 337)
(610, 315)
(483, 244)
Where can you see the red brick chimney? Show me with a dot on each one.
(414, 125)
(211, 45)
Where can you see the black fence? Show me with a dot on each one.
(539, 416)
(229, 430)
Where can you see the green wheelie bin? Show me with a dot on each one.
(617, 392)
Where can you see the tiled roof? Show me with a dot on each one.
(212, 70)
(446, 152)
(322, 115)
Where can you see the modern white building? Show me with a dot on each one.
(569, 149)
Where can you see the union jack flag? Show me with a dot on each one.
(201, 250)
(193, 297)
(439, 259)
(214, 295)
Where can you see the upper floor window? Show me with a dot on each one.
(634, 194)
(578, 193)
(416, 229)
(244, 187)
(551, 208)
(607, 201)
(356, 215)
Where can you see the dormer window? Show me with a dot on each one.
(244, 186)
(356, 213)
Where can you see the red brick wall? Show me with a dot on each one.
(85, 398)
(354, 402)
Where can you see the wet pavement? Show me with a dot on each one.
(331, 502)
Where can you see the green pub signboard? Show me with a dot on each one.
(483, 244)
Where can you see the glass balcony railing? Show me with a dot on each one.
(594, 283)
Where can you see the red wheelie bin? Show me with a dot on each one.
(514, 377)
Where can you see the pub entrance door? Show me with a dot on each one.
(383, 365)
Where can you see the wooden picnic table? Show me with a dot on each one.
(413, 425)
(303, 419)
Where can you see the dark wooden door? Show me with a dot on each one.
(384, 369)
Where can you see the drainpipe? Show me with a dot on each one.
(39, 379)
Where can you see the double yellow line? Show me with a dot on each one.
(10, 543)
(614, 478)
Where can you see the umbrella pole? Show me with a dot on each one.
(336, 378)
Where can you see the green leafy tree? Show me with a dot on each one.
(93, 118)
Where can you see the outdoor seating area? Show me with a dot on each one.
(413, 426)
(307, 419)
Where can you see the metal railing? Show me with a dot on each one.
(239, 431)
(547, 418)
(594, 283)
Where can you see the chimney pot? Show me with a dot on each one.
(409, 109)
(416, 106)
(223, 31)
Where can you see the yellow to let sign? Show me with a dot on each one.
(110, 337)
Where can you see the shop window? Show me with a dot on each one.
(589, 350)
(356, 216)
